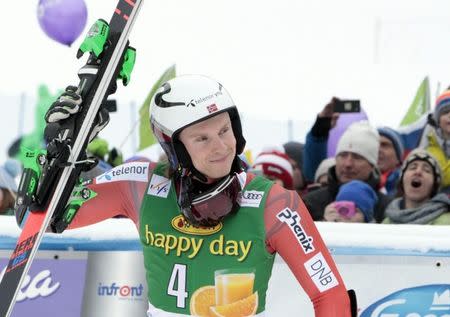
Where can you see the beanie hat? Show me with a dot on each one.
(396, 140)
(362, 194)
(295, 151)
(8, 172)
(423, 155)
(442, 104)
(276, 164)
(323, 168)
(360, 138)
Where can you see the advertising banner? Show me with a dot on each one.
(386, 286)
(396, 273)
(115, 285)
(53, 286)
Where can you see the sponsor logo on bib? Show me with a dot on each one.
(159, 186)
(135, 171)
(292, 219)
(320, 272)
(180, 224)
(250, 198)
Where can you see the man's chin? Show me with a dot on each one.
(223, 173)
(346, 179)
(218, 174)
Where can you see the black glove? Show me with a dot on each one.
(353, 302)
(321, 127)
(68, 104)
(100, 122)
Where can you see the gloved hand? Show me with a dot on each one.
(68, 104)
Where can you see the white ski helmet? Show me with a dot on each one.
(184, 101)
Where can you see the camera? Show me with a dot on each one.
(347, 106)
(346, 209)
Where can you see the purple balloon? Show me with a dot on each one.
(345, 119)
(62, 20)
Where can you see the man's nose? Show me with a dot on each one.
(218, 143)
(348, 160)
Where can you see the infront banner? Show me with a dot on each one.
(54, 285)
(115, 285)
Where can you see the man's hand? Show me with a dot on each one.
(331, 214)
(68, 104)
(328, 112)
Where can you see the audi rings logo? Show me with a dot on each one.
(250, 198)
(252, 195)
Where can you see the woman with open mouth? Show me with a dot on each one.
(420, 201)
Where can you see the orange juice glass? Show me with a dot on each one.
(233, 285)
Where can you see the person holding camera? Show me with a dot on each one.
(315, 148)
(356, 159)
(354, 202)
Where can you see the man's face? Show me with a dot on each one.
(350, 166)
(418, 181)
(211, 145)
(444, 123)
(387, 159)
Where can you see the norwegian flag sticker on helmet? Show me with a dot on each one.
(212, 108)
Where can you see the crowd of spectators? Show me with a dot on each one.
(371, 177)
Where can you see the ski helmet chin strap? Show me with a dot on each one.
(200, 207)
(208, 207)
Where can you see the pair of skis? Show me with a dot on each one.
(45, 189)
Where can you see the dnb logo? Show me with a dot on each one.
(422, 301)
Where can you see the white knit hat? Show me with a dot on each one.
(360, 138)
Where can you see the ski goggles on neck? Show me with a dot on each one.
(208, 209)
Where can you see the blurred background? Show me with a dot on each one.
(282, 61)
